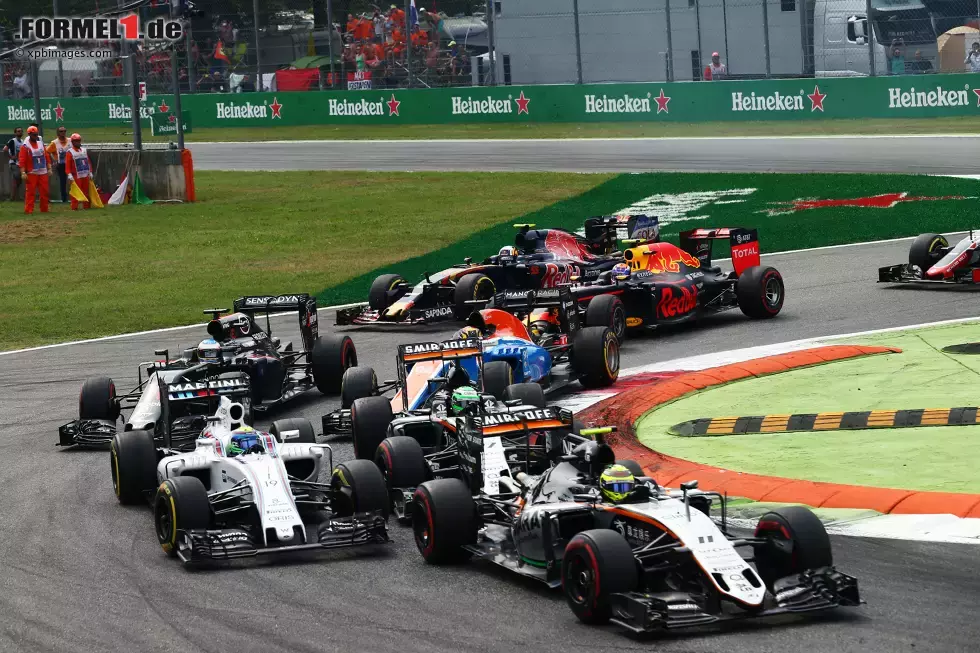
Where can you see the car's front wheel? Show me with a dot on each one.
(597, 564)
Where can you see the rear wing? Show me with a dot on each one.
(459, 349)
(201, 384)
(624, 227)
(523, 302)
(744, 245)
(302, 302)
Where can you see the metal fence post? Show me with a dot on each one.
(333, 72)
(61, 68)
(578, 42)
(175, 75)
(37, 100)
(409, 26)
(191, 64)
(724, 24)
(492, 38)
(258, 52)
(765, 30)
(670, 46)
(697, 22)
(129, 74)
(871, 42)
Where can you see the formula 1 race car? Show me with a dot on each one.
(238, 359)
(932, 260)
(428, 372)
(648, 560)
(539, 258)
(243, 493)
(660, 283)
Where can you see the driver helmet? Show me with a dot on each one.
(469, 332)
(621, 270)
(463, 398)
(242, 440)
(507, 250)
(616, 483)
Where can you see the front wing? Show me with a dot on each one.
(86, 433)
(810, 591)
(905, 273)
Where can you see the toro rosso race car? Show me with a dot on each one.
(622, 548)
(539, 258)
(932, 260)
(242, 493)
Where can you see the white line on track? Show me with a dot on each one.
(191, 144)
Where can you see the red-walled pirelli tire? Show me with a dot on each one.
(926, 250)
(607, 311)
(443, 520)
(760, 292)
(97, 400)
(181, 504)
(796, 540)
(597, 564)
(331, 356)
(383, 291)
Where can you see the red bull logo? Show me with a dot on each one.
(664, 257)
(677, 302)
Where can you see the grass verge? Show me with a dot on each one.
(961, 125)
(68, 275)
(922, 376)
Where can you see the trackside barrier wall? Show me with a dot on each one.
(910, 96)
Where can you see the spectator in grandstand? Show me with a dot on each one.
(896, 63)
(12, 148)
(76, 87)
(57, 150)
(371, 57)
(379, 27)
(397, 16)
(351, 26)
(973, 58)
(420, 39)
(716, 69)
(92, 89)
(22, 86)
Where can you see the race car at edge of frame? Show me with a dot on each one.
(933, 261)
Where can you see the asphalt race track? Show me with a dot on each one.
(955, 155)
(81, 573)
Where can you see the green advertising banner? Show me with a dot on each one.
(912, 96)
(166, 125)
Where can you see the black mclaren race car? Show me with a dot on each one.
(653, 559)
(932, 260)
(539, 258)
(239, 359)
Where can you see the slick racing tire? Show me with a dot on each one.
(760, 292)
(358, 486)
(607, 311)
(402, 464)
(383, 291)
(181, 504)
(471, 287)
(796, 540)
(133, 458)
(529, 394)
(595, 356)
(369, 417)
(926, 250)
(597, 564)
(497, 376)
(443, 520)
(331, 356)
(296, 430)
(357, 382)
(97, 400)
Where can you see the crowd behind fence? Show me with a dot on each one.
(517, 42)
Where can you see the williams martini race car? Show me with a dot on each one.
(242, 493)
(539, 258)
(933, 260)
(622, 548)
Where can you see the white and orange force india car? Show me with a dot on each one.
(242, 493)
(654, 561)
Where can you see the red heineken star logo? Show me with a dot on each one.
(276, 108)
(163, 106)
(393, 105)
(662, 101)
(816, 99)
(522, 103)
(173, 118)
(59, 112)
(976, 91)
(883, 201)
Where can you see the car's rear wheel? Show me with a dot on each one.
(595, 356)
(402, 464)
(357, 382)
(760, 292)
(607, 311)
(926, 250)
(97, 399)
(331, 356)
(529, 394)
(794, 540)
(597, 564)
(470, 288)
(443, 520)
(385, 291)
(133, 461)
(370, 417)
(358, 486)
(297, 430)
(181, 504)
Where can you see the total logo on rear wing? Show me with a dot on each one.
(744, 245)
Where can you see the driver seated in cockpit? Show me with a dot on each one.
(245, 440)
(619, 272)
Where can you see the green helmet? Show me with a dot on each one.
(462, 397)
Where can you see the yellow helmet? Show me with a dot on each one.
(616, 483)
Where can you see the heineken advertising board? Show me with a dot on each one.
(166, 125)
(911, 96)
